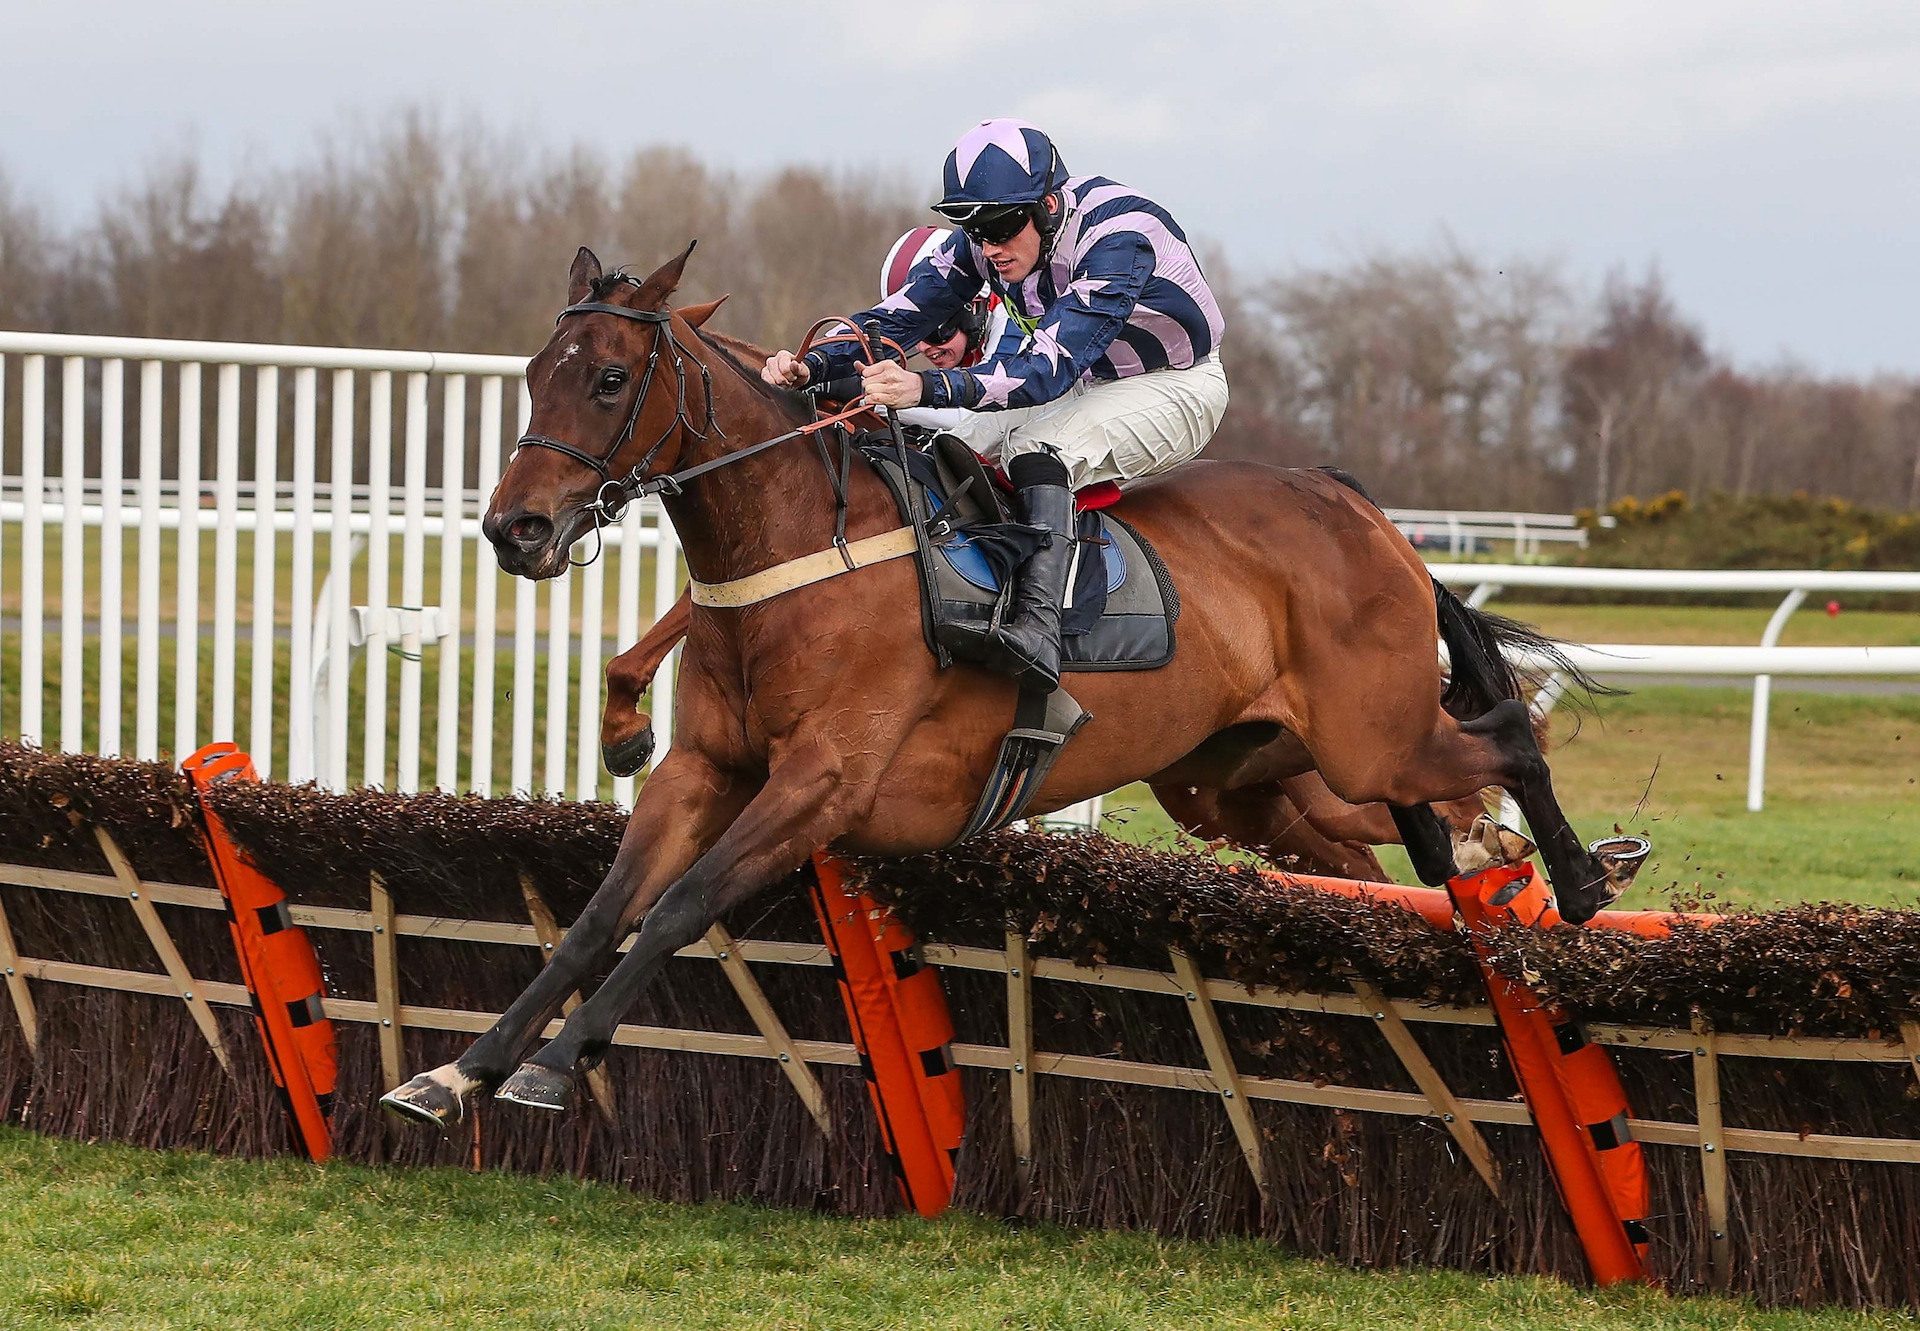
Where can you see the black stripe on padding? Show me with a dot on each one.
(1610, 1134)
(936, 1062)
(1570, 1037)
(325, 1101)
(1636, 1232)
(274, 918)
(866, 1067)
(306, 1011)
(905, 964)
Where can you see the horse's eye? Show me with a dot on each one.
(610, 382)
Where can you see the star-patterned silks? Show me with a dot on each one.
(943, 259)
(1087, 287)
(899, 300)
(1046, 342)
(996, 386)
(1002, 134)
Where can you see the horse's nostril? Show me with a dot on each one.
(527, 531)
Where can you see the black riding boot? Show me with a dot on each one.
(1027, 645)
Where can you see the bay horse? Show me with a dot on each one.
(1308, 640)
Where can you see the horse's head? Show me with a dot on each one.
(613, 394)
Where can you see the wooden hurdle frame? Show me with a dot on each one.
(1019, 1058)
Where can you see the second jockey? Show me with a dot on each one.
(1116, 376)
(960, 342)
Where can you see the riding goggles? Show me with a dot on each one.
(988, 223)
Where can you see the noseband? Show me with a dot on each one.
(616, 493)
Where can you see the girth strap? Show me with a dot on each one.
(804, 571)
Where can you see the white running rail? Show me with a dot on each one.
(99, 438)
(1762, 661)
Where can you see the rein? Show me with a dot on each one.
(614, 494)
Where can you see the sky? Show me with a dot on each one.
(1762, 155)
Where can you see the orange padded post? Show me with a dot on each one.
(1571, 1088)
(898, 1016)
(277, 963)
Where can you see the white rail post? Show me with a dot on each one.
(340, 548)
(266, 474)
(73, 553)
(559, 649)
(453, 480)
(627, 615)
(486, 585)
(146, 673)
(113, 388)
(1762, 701)
(666, 590)
(306, 389)
(226, 541)
(186, 618)
(586, 770)
(379, 552)
(3, 499)
(526, 630)
(412, 582)
(33, 544)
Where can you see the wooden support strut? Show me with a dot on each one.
(1020, 1046)
(17, 985)
(1713, 1150)
(771, 1028)
(170, 957)
(1910, 1037)
(1432, 1085)
(386, 982)
(1226, 1078)
(599, 1085)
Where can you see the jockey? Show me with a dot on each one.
(963, 340)
(1117, 374)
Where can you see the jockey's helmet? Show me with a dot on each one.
(919, 243)
(995, 178)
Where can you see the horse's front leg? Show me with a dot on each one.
(805, 804)
(682, 810)
(626, 732)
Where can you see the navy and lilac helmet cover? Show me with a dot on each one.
(1001, 161)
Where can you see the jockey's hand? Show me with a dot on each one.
(785, 370)
(890, 384)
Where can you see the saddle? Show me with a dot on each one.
(1120, 610)
(1121, 605)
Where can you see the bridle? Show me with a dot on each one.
(615, 493)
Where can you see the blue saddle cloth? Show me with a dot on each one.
(1122, 607)
(977, 558)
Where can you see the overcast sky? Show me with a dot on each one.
(1763, 154)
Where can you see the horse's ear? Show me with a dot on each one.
(581, 277)
(699, 314)
(663, 280)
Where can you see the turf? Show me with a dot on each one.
(107, 1236)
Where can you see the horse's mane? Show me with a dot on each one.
(742, 357)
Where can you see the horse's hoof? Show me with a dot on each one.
(424, 1100)
(1622, 857)
(537, 1088)
(629, 756)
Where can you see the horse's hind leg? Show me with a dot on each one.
(1454, 760)
(1580, 881)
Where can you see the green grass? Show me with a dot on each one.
(109, 1236)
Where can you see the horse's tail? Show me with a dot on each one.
(1482, 673)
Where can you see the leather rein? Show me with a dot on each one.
(615, 493)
